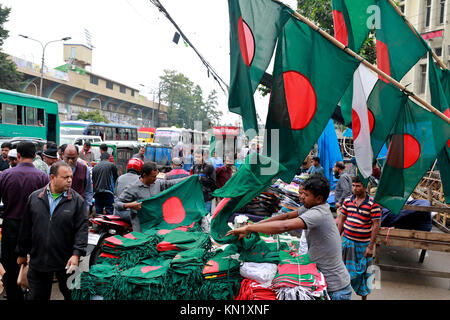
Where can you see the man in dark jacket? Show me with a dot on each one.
(54, 231)
(16, 184)
(207, 175)
(104, 177)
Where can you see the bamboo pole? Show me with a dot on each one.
(371, 67)
(435, 57)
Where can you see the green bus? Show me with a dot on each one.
(24, 115)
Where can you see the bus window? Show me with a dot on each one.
(30, 116)
(40, 117)
(109, 133)
(9, 114)
(133, 134)
(121, 134)
(19, 115)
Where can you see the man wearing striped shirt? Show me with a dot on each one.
(359, 221)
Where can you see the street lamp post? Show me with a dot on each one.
(43, 55)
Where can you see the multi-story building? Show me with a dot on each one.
(79, 90)
(431, 20)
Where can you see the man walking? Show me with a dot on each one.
(147, 186)
(140, 154)
(50, 156)
(16, 184)
(104, 177)
(87, 154)
(54, 232)
(359, 221)
(81, 180)
(344, 184)
(224, 173)
(316, 168)
(177, 170)
(324, 243)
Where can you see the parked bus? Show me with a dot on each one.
(188, 137)
(146, 135)
(24, 115)
(107, 131)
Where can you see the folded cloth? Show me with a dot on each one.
(97, 282)
(252, 290)
(146, 281)
(178, 240)
(262, 273)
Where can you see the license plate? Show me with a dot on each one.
(93, 238)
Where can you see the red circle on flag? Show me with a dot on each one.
(173, 210)
(410, 155)
(301, 99)
(149, 268)
(356, 123)
(246, 42)
(211, 267)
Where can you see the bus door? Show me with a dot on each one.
(51, 127)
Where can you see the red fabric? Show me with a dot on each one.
(252, 290)
(223, 174)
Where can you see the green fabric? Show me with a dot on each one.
(55, 195)
(404, 47)
(177, 206)
(417, 137)
(265, 19)
(262, 252)
(177, 241)
(254, 176)
(310, 76)
(440, 97)
(356, 16)
(98, 281)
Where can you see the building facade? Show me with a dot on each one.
(431, 20)
(79, 90)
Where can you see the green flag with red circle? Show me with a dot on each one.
(416, 139)
(254, 29)
(309, 78)
(180, 205)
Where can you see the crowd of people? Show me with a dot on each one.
(48, 198)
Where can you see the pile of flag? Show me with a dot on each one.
(252, 290)
(312, 75)
(177, 241)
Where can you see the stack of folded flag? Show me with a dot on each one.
(294, 271)
(252, 290)
(177, 240)
(147, 281)
(186, 273)
(128, 250)
(97, 282)
(221, 277)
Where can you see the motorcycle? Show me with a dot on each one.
(102, 227)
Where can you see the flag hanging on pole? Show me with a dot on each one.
(439, 81)
(254, 28)
(416, 139)
(310, 77)
(364, 81)
(398, 46)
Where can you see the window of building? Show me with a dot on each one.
(132, 92)
(94, 79)
(109, 84)
(438, 51)
(442, 12)
(402, 8)
(73, 52)
(427, 13)
(423, 78)
(123, 89)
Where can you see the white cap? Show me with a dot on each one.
(12, 153)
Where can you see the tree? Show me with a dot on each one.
(10, 78)
(95, 116)
(185, 102)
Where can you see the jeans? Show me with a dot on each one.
(208, 206)
(343, 294)
(40, 284)
(104, 200)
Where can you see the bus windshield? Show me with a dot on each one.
(167, 137)
(66, 130)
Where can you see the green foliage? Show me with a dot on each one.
(95, 116)
(10, 78)
(186, 103)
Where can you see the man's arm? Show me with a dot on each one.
(127, 200)
(273, 227)
(373, 237)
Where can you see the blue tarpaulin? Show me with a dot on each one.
(329, 152)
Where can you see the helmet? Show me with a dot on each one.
(135, 164)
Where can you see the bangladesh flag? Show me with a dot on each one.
(180, 205)
(440, 97)
(384, 104)
(254, 29)
(417, 137)
(352, 23)
(253, 177)
(398, 47)
(310, 77)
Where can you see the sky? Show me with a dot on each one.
(132, 40)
